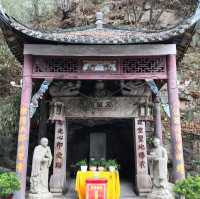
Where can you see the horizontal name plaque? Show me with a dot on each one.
(112, 107)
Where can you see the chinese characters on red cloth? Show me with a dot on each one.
(96, 189)
(141, 149)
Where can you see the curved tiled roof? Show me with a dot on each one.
(17, 34)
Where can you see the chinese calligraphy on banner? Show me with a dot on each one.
(58, 178)
(143, 179)
(60, 139)
(22, 139)
(141, 149)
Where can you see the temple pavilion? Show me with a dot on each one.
(98, 86)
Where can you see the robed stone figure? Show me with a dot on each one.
(158, 164)
(158, 160)
(42, 159)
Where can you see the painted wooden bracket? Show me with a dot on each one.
(156, 91)
(39, 95)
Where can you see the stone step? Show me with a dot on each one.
(133, 197)
(74, 197)
(122, 197)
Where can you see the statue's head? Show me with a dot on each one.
(69, 84)
(44, 142)
(100, 85)
(156, 142)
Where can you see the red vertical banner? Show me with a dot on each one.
(96, 189)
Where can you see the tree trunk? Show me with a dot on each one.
(36, 10)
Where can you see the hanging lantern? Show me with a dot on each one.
(142, 110)
(57, 111)
(145, 110)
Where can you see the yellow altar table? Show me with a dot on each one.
(113, 183)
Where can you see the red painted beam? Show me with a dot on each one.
(75, 76)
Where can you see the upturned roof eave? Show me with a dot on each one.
(17, 34)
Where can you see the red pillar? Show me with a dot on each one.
(158, 121)
(24, 127)
(175, 123)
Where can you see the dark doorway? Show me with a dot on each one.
(119, 143)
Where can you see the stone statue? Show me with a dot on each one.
(65, 89)
(71, 89)
(158, 160)
(42, 159)
(101, 90)
(158, 165)
(135, 88)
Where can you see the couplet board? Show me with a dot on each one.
(111, 107)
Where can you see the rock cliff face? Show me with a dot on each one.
(189, 85)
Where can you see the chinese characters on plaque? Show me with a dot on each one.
(93, 66)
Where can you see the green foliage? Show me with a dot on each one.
(9, 114)
(9, 183)
(81, 163)
(196, 162)
(10, 70)
(150, 140)
(4, 170)
(94, 162)
(190, 187)
(102, 163)
(112, 163)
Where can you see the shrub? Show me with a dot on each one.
(102, 163)
(9, 183)
(112, 163)
(190, 187)
(94, 162)
(81, 163)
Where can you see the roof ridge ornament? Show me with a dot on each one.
(2, 10)
(99, 20)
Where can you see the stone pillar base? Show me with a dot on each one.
(40, 196)
(57, 183)
(161, 194)
(144, 184)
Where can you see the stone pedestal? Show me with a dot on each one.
(144, 184)
(161, 194)
(40, 196)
